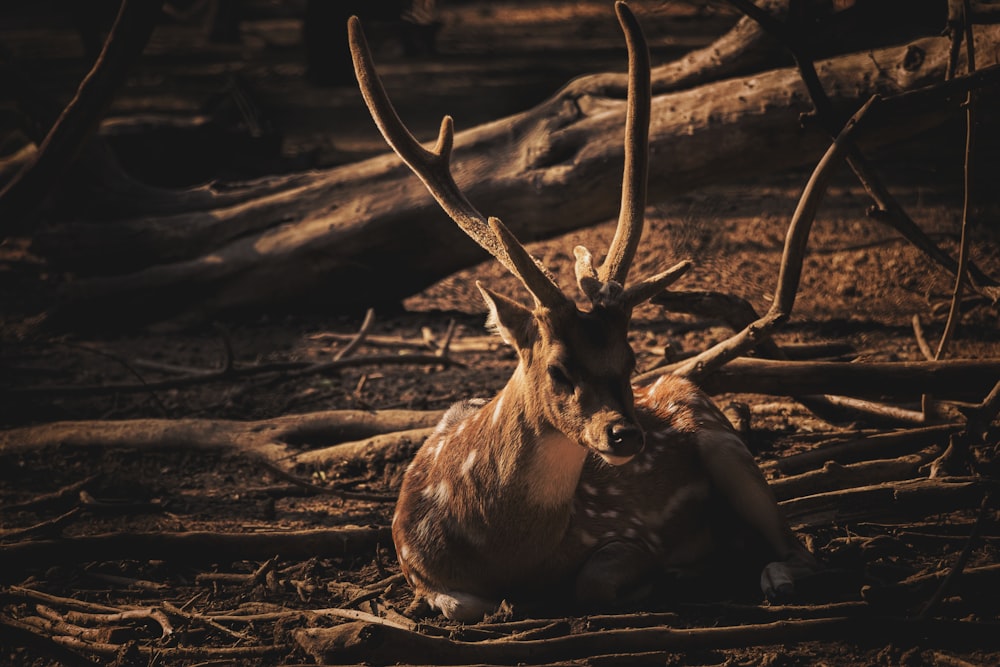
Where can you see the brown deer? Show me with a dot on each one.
(570, 475)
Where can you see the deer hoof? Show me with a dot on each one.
(777, 582)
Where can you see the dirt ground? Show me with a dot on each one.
(861, 288)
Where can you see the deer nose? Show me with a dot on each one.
(625, 439)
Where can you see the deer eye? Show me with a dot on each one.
(560, 377)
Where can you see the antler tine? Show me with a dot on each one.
(652, 286)
(433, 167)
(630, 219)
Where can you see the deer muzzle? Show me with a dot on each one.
(623, 441)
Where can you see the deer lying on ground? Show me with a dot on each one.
(570, 475)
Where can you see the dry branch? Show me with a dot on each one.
(835, 476)
(889, 500)
(890, 444)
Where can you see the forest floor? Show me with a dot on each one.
(862, 286)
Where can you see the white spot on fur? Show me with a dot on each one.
(435, 449)
(588, 489)
(629, 533)
(591, 512)
(439, 493)
(613, 491)
(497, 408)
(423, 530)
(461, 427)
(404, 552)
(467, 463)
(610, 514)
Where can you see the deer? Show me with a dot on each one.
(570, 479)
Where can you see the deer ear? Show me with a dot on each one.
(513, 322)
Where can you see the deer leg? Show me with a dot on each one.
(735, 474)
(616, 573)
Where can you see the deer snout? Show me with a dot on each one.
(623, 442)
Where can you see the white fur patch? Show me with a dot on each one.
(458, 606)
(467, 463)
(439, 493)
(497, 408)
(554, 469)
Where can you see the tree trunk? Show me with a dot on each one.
(546, 171)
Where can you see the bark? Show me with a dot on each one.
(546, 171)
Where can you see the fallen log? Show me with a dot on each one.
(379, 436)
(381, 644)
(545, 171)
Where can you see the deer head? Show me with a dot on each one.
(575, 363)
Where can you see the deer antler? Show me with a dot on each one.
(606, 285)
(433, 167)
(630, 218)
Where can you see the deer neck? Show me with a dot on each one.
(534, 459)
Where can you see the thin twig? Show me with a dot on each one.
(918, 333)
(355, 342)
(445, 348)
(324, 490)
(52, 498)
(43, 528)
(125, 364)
(954, 313)
(195, 617)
